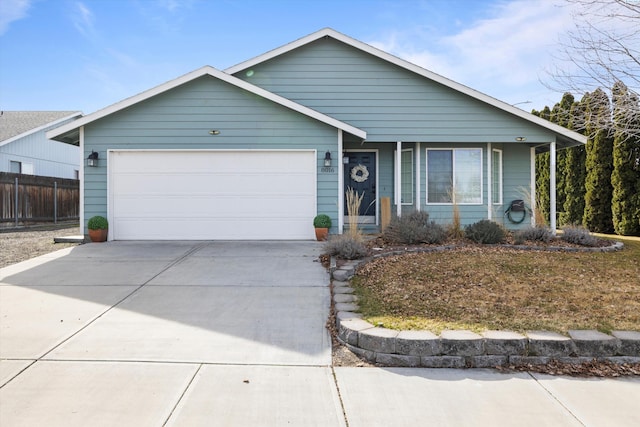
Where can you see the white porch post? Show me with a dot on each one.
(340, 184)
(398, 186)
(552, 187)
(532, 202)
(418, 171)
(489, 181)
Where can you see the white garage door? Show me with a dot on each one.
(205, 195)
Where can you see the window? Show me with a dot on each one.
(454, 172)
(406, 172)
(496, 177)
(15, 167)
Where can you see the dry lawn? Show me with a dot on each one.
(484, 288)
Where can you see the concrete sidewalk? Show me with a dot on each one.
(233, 334)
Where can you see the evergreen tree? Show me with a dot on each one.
(575, 170)
(561, 115)
(597, 213)
(542, 173)
(625, 178)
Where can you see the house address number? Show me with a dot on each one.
(327, 170)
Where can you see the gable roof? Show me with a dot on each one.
(69, 132)
(565, 135)
(18, 124)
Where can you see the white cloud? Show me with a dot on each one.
(11, 11)
(83, 19)
(175, 5)
(501, 55)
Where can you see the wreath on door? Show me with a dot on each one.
(360, 173)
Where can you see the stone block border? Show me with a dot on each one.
(466, 349)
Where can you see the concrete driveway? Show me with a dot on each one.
(233, 334)
(117, 333)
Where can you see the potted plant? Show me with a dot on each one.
(322, 224)
(98, 228)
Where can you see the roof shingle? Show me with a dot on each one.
(13, 123)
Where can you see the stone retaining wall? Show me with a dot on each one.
(465, 349)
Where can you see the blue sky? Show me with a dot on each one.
(87, 54)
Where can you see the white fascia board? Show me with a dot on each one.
(329, 32)
(39, 128)
(206, 70)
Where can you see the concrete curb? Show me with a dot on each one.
(466, 349)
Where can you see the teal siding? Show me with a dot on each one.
(517, 181)
(182, 118)
(387, 101)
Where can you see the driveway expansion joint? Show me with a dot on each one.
(466, 349)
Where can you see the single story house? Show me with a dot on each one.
(25, 149)
(257, 150)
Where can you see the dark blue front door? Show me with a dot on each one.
(360, 174)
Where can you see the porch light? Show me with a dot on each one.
(214, 132)
(92, 160)
(521, 138)
(327, 159)
(345, 159)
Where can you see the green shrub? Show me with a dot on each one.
(579, 236)
(485, 231)
(97, 223)
(345, 246)
(414, 228)
(535, 234)
(322, 221)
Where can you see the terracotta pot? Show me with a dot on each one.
(98, 235)
(321, 234)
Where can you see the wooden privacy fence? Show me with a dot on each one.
(35, 199)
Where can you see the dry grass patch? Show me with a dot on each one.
(484, 288)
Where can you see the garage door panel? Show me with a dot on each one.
(213, 195)
(160, 207)
(229, 229)
(224, 161)
(211, 184)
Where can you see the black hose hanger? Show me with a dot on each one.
(519, 207)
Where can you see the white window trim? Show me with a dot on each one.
(500, 176)
(426, 162)
(411, 199)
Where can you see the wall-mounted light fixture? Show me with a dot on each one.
(92, 160)
(345, 159)
(327, 159)
(214, 132)
(521, 138)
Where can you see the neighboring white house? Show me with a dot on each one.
(24, 147)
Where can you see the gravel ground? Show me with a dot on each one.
(17, 246)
